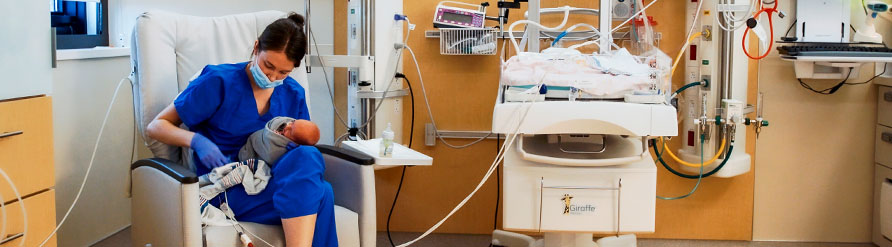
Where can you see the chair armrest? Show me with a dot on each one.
(352, 177)
(347, 155)
(175, 170)
(164, 203)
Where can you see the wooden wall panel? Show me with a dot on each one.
(462, 91)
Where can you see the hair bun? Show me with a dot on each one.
(296, 18)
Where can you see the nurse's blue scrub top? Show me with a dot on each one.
(220, 105)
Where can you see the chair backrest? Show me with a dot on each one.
(169, 49)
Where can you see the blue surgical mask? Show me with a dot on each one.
(261, 80)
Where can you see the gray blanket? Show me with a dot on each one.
(266, 144)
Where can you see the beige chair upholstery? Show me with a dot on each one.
(167, 50)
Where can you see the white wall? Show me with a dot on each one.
(24, 49)
(82, 90)
(815, 162)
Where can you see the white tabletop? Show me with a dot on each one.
(402, 156)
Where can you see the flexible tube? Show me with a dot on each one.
(90, 166)
(557, 28)
(399, 55)
(677, 173)
(430, 113)
(714, 158)
(681, 52)
(685, 87)
(21, 205)
(733, 21)
(691, 36)
(767, 11)
(699, 177)
(499, 157)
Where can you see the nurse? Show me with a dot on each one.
(228, 102)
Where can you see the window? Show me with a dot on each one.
(79, 23)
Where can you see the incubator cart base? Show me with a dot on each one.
(613, 199)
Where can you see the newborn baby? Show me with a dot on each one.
(301, 132)
(271, 142)
(256, 158)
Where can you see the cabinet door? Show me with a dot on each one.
(25, 48)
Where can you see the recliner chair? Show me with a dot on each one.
(167, 50)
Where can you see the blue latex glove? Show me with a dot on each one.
(208, 152)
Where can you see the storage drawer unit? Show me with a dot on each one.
(41, 220)
(26, 151)
(26, 155)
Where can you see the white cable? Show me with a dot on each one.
(21, 205)
(90, 166)
(399, 55)
(499, 157)
(731, 18)
(590, 42)
(430, 113)
(231, 216)
(327, 82)
(557, 28)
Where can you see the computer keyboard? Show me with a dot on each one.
(835, 50)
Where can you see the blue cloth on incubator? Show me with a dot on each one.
(220, 105)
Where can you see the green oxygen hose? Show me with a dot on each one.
(696, 83)
(699, 177)
(688, 176)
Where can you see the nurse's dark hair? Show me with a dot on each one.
(285, 35)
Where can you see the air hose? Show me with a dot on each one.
(688, 176)
(696, 83)
(714, 158)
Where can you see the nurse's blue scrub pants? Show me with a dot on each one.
(296, 189)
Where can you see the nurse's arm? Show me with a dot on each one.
(165, 128)
(299, 230)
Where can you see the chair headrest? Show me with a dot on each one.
(168, 49)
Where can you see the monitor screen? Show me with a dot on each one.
(449, 16)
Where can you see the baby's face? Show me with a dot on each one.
(287, 131)
(302, 132)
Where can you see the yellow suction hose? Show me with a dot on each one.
(710, 161)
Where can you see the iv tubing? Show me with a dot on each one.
(714, 158)
(21, 205)
(699, 177)
(557, 28)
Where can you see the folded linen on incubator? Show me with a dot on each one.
(599, 75)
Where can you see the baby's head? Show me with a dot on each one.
(301, 132)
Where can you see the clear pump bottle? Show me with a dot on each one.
(386, 142)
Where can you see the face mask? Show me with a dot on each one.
(261, 80)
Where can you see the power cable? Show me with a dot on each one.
(403, 174)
